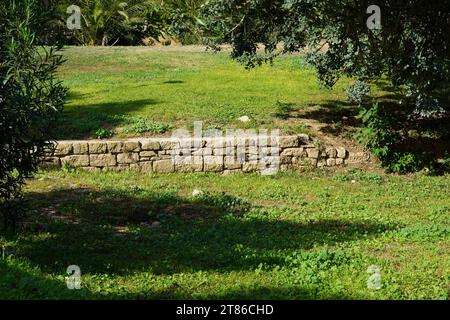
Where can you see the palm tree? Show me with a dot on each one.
(106, 20)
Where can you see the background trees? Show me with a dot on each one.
(30, 99)
(125, 22)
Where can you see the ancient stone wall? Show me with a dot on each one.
(207, 154)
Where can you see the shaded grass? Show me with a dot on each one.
(290, 236)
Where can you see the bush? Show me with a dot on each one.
(383, 135)
(30, 100)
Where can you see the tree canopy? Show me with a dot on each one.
(410, 49)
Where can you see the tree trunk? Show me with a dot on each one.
(105, 40)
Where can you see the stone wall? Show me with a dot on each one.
(207, 155)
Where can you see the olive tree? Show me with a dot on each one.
(402, 41)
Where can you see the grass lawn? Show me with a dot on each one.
(130, 91)
(309, 235)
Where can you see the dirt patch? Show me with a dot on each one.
(334, 126)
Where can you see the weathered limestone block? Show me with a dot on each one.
(289, 142)
(102, 160)
(76, 161)
(169, 144)
(308, 162)
(339, 161)
(126, 158)
(115, 146)
(285, 159)
(166, 152)
(267, 151)
(205, 151)
(131, 146)
(331, 152)
(80, 148)
(321, 163)
(331, 162)
(287, 167)
(189, 164)
(163, 166)
(63, 149)
(341, 152)
(146, 166)
(296, 160)
(50, 162)
(270, 160)
(358, 157)
(147, 153)
(264, 141)
(97, 147)
(313, 153)
(303, 138)
(295, 152)
(215, 142)
(250, 167)
(231, 163)
(219, 151)
(162, 157)
(150, 145)
(213, 163)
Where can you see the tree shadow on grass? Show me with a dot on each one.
(82, 122)
(111, 232)
(19, 281)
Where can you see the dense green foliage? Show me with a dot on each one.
(411, 50)
(130, 22)
(292, 236)
(30, 98)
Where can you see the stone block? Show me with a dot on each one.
(50, 162)
(313, 153)
(303, 138)
(146, 166)
(115, 146)
(102, 160)
(131, 146)
(331, 152)
(289, 142)
(97, 147)
(147, 153)
(166, 165)
(213, 163)
(76, 160)
(231, 163)
(150, 145)
(126, 158)
(341, 152)
(63, 149)
(80, 148)
(331, 162)
(250, 167)
(295, 152)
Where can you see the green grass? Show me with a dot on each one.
(115, 88)
(293, 236)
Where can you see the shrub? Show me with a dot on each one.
(383, 135)
(103, 133)
(30, 100)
